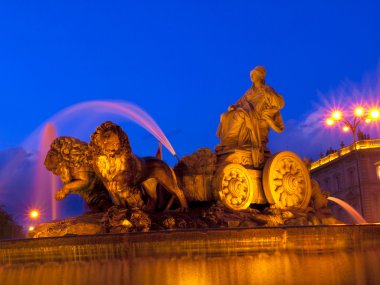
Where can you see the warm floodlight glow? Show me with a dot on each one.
(366, 144)
(34, 214)
(368, 120)
(359, 111)
(377, 164)
(337, 115)
(329, 122)
(346, 129)
(374, 114)
(31, 228)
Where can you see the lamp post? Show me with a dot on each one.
(351, 122)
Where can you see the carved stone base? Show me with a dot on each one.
(86, 224)
(118, 220)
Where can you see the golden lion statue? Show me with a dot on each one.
(132, 181)
(69, 159)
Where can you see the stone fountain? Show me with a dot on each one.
(243, 213)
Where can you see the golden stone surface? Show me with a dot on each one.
(234, 187)
(128, 177)
(286, 181)
(246, 124)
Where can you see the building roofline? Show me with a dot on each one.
(356, 146)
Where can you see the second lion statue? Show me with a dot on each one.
(132, 181)
(68, 158)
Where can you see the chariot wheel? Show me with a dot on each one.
(234, 187)
(286, 181)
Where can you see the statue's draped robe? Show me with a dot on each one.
(246, 123)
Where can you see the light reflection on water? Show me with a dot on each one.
(336, 255)
(262, 268)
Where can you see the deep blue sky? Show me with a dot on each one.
(183, 62)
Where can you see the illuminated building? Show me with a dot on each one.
(351, 175)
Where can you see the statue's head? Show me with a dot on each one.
(66, 153)
(258, 74)
(109, 139)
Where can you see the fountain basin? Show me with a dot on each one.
(340, 254)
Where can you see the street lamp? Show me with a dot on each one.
(34, 214)
(351, 123)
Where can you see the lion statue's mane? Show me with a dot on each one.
(69, 151)
(99, 133)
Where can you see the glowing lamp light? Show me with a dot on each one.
(346, 129)
(329, 122)
(31, 228)
(359, 111)
(374, 114)
(34, 214)
(377, 164)
(337, 115)
(368, 120)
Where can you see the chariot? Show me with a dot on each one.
(229, 177)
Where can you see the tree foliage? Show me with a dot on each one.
(9, 229)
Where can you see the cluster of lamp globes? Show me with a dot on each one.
(359, 115)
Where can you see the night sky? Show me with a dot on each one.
(184, 63)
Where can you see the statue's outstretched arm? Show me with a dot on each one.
(274, 119)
